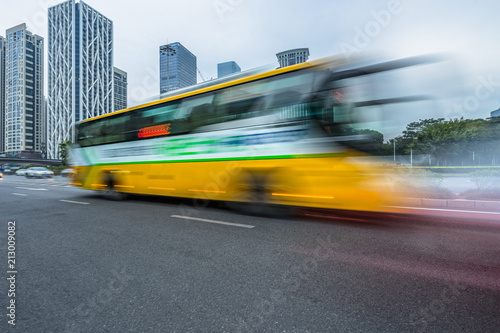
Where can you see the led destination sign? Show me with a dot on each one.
(157, 130)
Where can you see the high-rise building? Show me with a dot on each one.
(227, 68)
(2, 94)
(292, 57)
(24, 102)
(120, 79)
(177, 67)
(80, 67)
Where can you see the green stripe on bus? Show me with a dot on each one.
(231, 159)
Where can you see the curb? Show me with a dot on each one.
(451, 204)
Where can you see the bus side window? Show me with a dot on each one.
(116, 129)
(241, 108)
(165, 113)
(132, 127)
(187, 105)
(201, 115)
(193, 112)
(93, 134)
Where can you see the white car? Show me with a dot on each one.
(21, 172)
(68, 172)
(39, 172)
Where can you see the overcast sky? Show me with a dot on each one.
(251, 32)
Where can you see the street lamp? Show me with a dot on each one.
(394, 150)
(168, 51)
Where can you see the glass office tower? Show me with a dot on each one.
(227, 68)
(80, 67)
(177, 67)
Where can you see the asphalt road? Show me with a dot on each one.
(149, 264)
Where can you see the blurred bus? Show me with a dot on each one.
(259, 141)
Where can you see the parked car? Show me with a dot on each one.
(39, 172)
(21, 172)
(68, 172)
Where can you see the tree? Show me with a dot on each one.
(452, 142)
(63, 151)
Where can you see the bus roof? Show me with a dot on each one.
(243, 77)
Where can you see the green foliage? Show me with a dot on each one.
(63, 151)
(452, 142)
(56, 169)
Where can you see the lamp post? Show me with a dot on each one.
(394, 150)
(168, 51)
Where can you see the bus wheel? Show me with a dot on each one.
(254, 197)
(110, 191)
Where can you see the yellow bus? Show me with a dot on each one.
(270, 140)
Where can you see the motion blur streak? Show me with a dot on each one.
(305, 135)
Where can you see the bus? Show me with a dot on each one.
(261, 142)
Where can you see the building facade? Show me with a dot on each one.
(24, 116)
(227, 68)
(120, 86)
(495, 113)
(177, 67)
(80, 69)
(2, 94)
(292, 57)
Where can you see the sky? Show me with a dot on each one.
(466, 85)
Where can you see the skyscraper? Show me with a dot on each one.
(2, 94)
(227, 68)
(80, 66)
(120, 82)
(177, 67)
(24, 103)
(292, 57)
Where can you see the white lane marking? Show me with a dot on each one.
(76, 202)
(449, 210)
(32, 189)
(214, 221)
(23, 195)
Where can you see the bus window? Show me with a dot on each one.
(88, 134)
(293, 82)
(113, 129)
(161, 114)
(242, 108)
(189, 104)
(332, 108)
